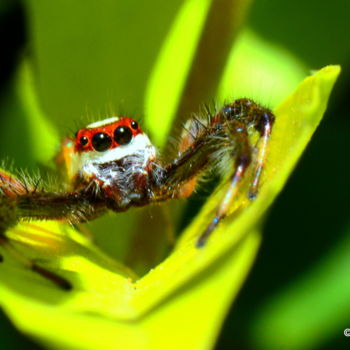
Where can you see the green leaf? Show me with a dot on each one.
(182, 301)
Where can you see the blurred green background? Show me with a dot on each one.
(298, 293)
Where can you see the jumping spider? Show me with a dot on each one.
(112, 165)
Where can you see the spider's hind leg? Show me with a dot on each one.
(238, 135)
(237, 119)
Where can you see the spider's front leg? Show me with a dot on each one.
(30, 200)
(210, 141)
(241, 116)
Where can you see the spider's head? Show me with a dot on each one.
(109, 136)
(106, 142)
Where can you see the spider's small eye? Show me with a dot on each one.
(134, 125)
(122, 135)
(83, 140)
(101, 142)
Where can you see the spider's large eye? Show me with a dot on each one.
(122, 135)
(101, 142)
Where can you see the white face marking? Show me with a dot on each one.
(104, 122)
(140, 147)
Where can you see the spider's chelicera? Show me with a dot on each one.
(112, 165)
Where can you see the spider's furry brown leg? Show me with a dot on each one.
(242, 154)
(208, 142)
(28, 202)
(243, 115)
(178, 178)
(73, 207)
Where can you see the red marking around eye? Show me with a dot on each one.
(107, 129)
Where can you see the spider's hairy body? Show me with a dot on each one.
(112, 165)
